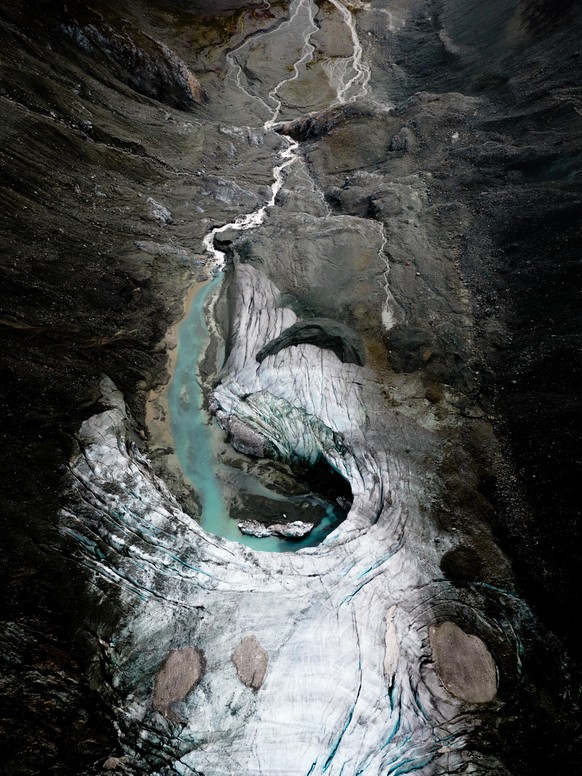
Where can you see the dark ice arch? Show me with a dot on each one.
(323, 332)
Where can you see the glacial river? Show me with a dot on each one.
(197, 438)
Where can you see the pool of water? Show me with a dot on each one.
(195, 443)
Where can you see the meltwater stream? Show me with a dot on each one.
(190, 423)
(195, 446)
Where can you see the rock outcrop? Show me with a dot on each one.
(292, 530)
(318, 123)
(144, 64)
(463, 663)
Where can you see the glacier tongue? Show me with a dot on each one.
(341, 677)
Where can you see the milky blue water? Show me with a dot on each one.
(195, 444)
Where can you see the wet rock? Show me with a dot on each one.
(179, 675)
(250, 661)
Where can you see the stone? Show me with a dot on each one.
(245, 439)
(314, 125)
(463, 663)
(250, 661)
(115, 763)
(180, 674)
(159, 212)
(403, 140)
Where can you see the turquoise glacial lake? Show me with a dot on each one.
(195, 442)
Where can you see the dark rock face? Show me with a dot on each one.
(528, 201)
(474, 176)
(410, 348)
(149, 67)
